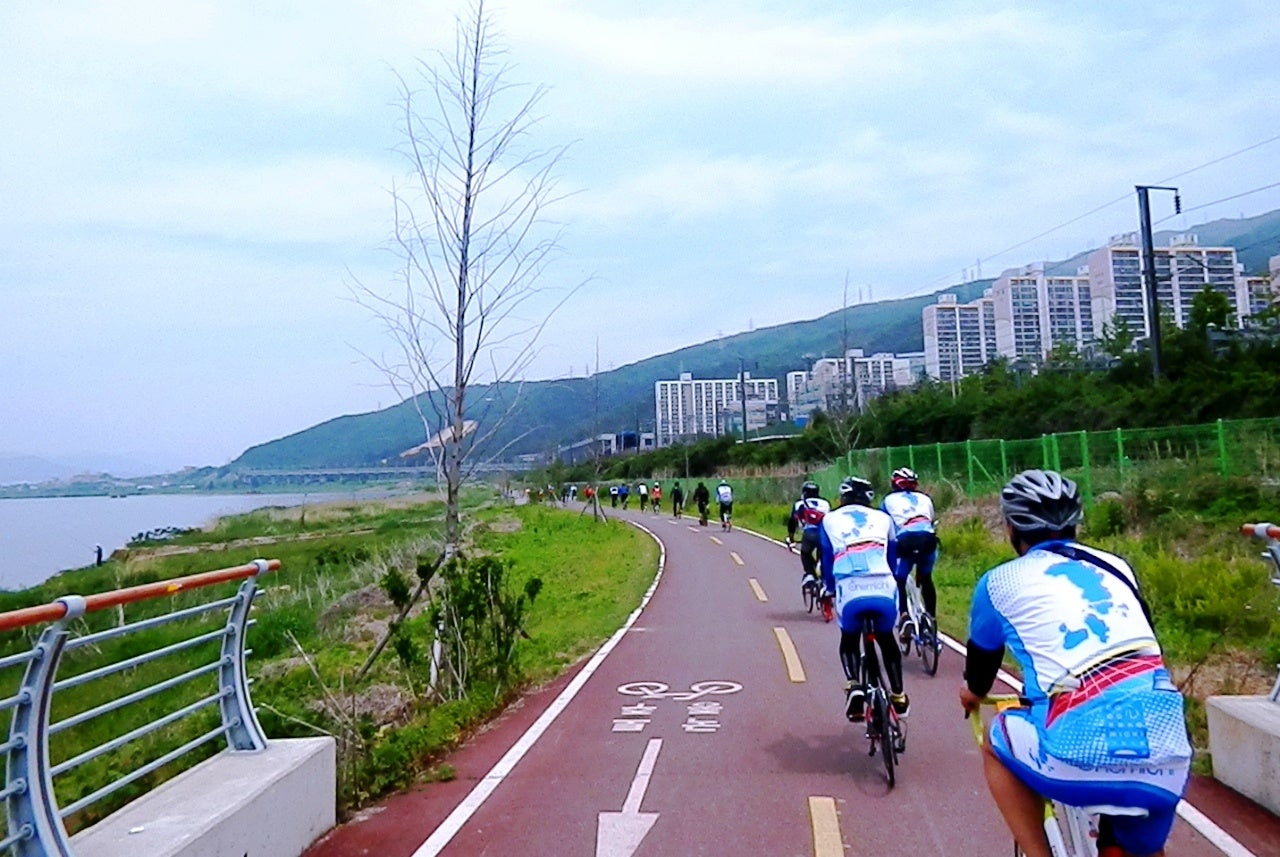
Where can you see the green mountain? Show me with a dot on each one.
(548, 414)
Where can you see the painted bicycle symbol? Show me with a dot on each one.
(661, 690)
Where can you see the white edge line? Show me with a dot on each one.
(449, 828)
(1201, 823)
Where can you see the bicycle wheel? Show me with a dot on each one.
(810, 594)
(886, 738)
(906, 636)
(930, 647)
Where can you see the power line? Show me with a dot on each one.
(929, 286)
(1216, 201)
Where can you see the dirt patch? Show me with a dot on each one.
(986, 509)
(362, 601)
(505, 525)
(381, 703)
(1230, 672)
(272, 670)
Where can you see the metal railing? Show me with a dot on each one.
(1271, 533)
(44, 706)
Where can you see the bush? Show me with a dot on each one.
(1105, 518)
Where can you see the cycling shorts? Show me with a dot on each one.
(916, 545)
(1017, 739)
(883, 609)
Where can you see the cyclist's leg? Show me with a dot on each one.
(1020, 805)
(901, 569)
(883, 610)
(809, 553)
(924, 577)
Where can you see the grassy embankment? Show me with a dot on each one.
(317, 621)
(1215, 610)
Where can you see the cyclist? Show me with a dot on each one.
(624, 493)
(858, 550)
(643, 491)
(724, 496)
(806, 516)
(702, 497)
(655, 496)
(912, 512)
(1105, 723)
(677, 500)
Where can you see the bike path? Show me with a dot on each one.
(682, 761)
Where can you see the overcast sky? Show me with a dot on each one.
(187, 189)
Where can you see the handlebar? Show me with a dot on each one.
(1261, 531)
(1000, 702)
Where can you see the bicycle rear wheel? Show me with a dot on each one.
(930, 647)
(886, 736)
(810, 593)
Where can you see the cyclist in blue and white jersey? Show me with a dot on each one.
(806, 516)
(857, 544)
(912, 510)
(1105, 724)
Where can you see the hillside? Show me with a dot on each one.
(553, 413)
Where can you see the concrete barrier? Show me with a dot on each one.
(1244, 738)
(272, 803)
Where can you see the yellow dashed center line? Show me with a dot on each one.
(795, 670)
(734, 556)
(755, 587)
(826, 827)
(717, 541)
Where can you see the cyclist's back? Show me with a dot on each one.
(912, 513)
(1105, 724)
(806, 518)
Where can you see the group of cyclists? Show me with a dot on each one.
(1103, 722)
(650, 497)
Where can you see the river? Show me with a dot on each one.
(40, 537)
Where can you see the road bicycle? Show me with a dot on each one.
(726, 519)
(920, 630)
(811, 592)
(702, 514)
(1072, 831)
(885, 732)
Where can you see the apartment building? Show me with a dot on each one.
(1035, 311)
(686, 408)
(880, 373)
(959, 338)
(1182, 269)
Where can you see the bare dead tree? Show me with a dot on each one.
(473, 240)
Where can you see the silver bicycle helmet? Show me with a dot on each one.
(1040, 500)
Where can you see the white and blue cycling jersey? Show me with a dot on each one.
(857, 545)
(1106, 722)
(912, 511)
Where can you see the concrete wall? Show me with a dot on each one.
(268, 804)
(1244, 738)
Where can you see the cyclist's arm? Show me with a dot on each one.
(985, 649)
(827, 557)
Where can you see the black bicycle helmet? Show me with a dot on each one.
(1040, 500)
(855, 489)
(808, 490)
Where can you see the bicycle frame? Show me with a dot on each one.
(1271, 533)
(870, 676)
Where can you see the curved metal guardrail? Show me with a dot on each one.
(36, 822)
(1271, 533)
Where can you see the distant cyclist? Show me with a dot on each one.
(702, 498)
(806, 516)
(724, 496)
(1105, 724)
(912, 512)
(655, 496)
(643, 491)
(677, 500)
(858, 545)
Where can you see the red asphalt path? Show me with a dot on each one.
(662, 751)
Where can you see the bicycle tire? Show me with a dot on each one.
(930, 648)
(886, 738)
(905, 641)
(810, 597)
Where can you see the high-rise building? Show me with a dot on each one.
(686, 408)
(878, 374)
(1035, 311)
(1182, 269)
(958, 338)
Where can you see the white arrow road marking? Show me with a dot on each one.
(618, 834)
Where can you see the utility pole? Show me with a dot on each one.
(1149, 269)
(742, 386)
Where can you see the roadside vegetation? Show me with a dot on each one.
(535, 590)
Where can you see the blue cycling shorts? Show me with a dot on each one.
(883, 609)
(1016, 738)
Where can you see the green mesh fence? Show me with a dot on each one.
(1098, 461)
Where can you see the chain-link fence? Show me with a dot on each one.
(1098, 461)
